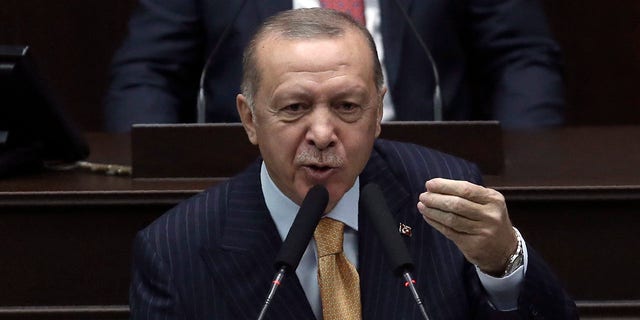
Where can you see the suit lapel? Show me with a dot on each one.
(383, 294)
(392, 28)
(242, 260)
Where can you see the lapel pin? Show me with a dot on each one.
(405, 230)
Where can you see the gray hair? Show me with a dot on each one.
(310, 23)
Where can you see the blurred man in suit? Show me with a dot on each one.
(312, 102)
(495, 59)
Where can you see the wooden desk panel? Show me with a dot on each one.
(61, 255)
(585, 159)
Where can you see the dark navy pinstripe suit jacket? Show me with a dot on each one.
(211, 256)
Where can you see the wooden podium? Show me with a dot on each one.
(222, 150)
(65, 236)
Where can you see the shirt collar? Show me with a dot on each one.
(283, 211)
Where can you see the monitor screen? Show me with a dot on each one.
(33, 128)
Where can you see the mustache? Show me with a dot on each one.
(326, 158)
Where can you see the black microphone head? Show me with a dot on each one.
(301, 231)
(372, 203)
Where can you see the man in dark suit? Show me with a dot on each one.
(312, 103)
(495, 59)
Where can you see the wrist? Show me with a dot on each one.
(508, 264)
(516, 259)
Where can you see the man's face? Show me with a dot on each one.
(317, 112)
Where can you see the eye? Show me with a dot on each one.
(292, 111)
(348, 107)
(294, 108)
(349, 111)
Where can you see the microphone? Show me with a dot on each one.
(437, 97)
(300, 233)
(372, 203)
(201, 106)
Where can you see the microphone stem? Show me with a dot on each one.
(437, 96)
(275, 284)
(201, 104)
(410, 283)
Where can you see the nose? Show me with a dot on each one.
(321, 131)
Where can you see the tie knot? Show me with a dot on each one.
(329, 236)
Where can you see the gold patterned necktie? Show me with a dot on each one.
(353, 7)
(338, 278)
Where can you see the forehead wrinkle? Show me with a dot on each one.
(307, 74)
(310, 87)
(299, 78)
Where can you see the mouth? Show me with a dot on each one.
(319, 168)
(319, 173)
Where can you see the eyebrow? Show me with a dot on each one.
(297, 90)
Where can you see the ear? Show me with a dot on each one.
(246, 116)
(383, 91)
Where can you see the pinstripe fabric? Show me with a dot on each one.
(211, 256)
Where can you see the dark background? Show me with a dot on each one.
(73, 42)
